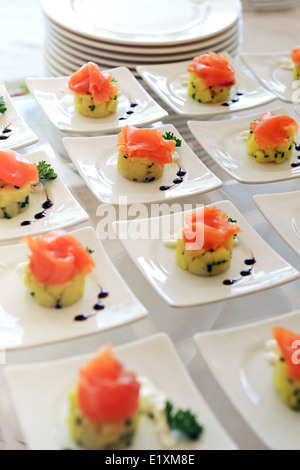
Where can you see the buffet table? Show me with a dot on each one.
(277, 31)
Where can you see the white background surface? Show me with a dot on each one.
(262, 32)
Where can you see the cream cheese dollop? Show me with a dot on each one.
(272, 352)
(154, 404)
(286, 64)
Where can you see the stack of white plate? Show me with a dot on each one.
(270, 5)
(136, 32)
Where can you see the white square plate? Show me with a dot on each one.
(66, 211)
(166, 81)
(236, 358)
(223, 142)
(268, 69)
(21, 135)
(40, 396)
(23, 323)
(182, 289)
(57, 102)
(282, 211)
(96, 160)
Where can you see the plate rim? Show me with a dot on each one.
(32, 83)
(49, 15)
(143, 311)
(295, 274)
(219, 183)
(83, 218)
(258, 199)
(193, 123)
(161, 337)
(217, 334)
(143, 71)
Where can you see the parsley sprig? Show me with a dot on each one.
(183, 421)
(3, 107)
(46, 172)
(171, 136)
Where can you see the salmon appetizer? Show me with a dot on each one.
(211, 78)
(206, 242)
(57, 269)
(143, 154)
(17, 176)
(296, 60)
(96, 93)
(104, 405)
(271, 138)
(287, 367)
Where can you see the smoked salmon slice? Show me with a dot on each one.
(57, 257)
(106, 391)
(296, 55)
(146, 143)
(271, 131)
(90, 79)
(214, 68)
(214, 228)
(289, 343)
(17, 170)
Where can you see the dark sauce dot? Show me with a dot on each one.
(229, 282)
(130, 112)
(250, 261)
(297, 147)
(226, 104)
(82, 317)
(181, 172)
(240, 93)
(133, 104)
(4, 137)
(103, 294)
(47, 205)
(99, 306)
(40, 215)
(123, 118)
(246, 272)
(178, 180)
(165, 188)
(295, 165)
(6, 130)
(26, 222)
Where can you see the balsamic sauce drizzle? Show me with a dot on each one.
(180, 174)
(245, 273)
(48, 204)
(297, 164)
(97, 307)
(131, 111)
(234, 100)
(6, 131)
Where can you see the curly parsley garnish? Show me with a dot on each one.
(171, 136)
(45, 171)
(89, 250)
(3, 107)
(183, 421)
(232, 221)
